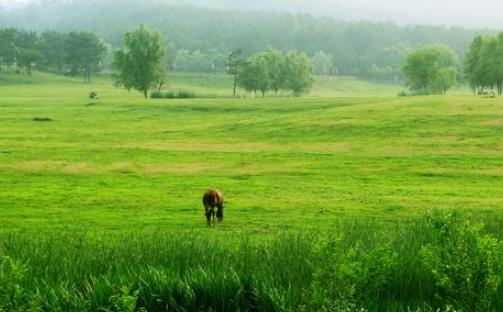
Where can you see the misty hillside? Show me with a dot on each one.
(358, 48)
(482, 13)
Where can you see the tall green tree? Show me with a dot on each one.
(299, 72)
(484, 62)
(431, 69)
(254, 76)
(52, 46)
(28, 50)
(276, 68)
(84, 52)
(8, 48)
(141, 62)
(235, 63)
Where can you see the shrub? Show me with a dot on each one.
(465, 263)
(353, 275)
(182, 94)
(12, 294)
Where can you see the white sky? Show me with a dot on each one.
(469, 13)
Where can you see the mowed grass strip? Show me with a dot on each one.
(126, 162)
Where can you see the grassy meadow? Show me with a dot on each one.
(329, 198)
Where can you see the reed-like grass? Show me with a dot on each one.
(353, 266)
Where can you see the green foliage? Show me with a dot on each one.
(466, 264)
(273, 70)
(28, 50)
(432, 69)
(83, 53)
(8, 48)
(358, 48)
(52, 47)
(426, 264)
(484, 63)
(299, 73)
(140, 62)
(322, 63)
(255, 75)
(12, 279)
(182, 94)
(276, 64)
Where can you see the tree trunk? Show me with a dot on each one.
(145, 93)
(235, 83)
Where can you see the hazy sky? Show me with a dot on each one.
(470, 13)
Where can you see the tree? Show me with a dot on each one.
(431, 69)
(299, 72)
(8, 49)
(254, 75)
(84, 52)
(28, 50)
(276, 69)
(484, 62)
(322, 63)
(52, 46)
(234, 64)
(141, 62)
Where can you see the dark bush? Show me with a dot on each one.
(182, 94)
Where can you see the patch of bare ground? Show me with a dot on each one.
(77, 168)
(193, 168)
(39, 165)
(212, 147)
(327, 147)
(492, 123)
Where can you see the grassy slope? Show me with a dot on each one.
(126, 163)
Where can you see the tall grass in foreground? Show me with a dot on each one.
(442, 262)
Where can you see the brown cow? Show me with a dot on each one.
(212, 199)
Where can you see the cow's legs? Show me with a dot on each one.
(220, 214)
(208, 213)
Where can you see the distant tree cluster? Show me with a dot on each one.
(74, 53)
(212, 61)
(432, 69)
(484, 63)
(272, 70)
(201, 38)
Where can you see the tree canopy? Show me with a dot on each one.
(73, 53)
(484, 62)
(432, 69)
(140, 63)
(273, 70)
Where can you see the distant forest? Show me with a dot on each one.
(200, 39)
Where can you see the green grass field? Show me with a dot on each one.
(100, 207)
(130, 163)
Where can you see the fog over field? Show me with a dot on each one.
(483, 13)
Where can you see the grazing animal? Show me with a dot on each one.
(93, 96)
(212, 199)
(486, 92)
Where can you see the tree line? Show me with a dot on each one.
(273, 70)
(140, 65)
(201, 38)
(437, 68)
(73, 53)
